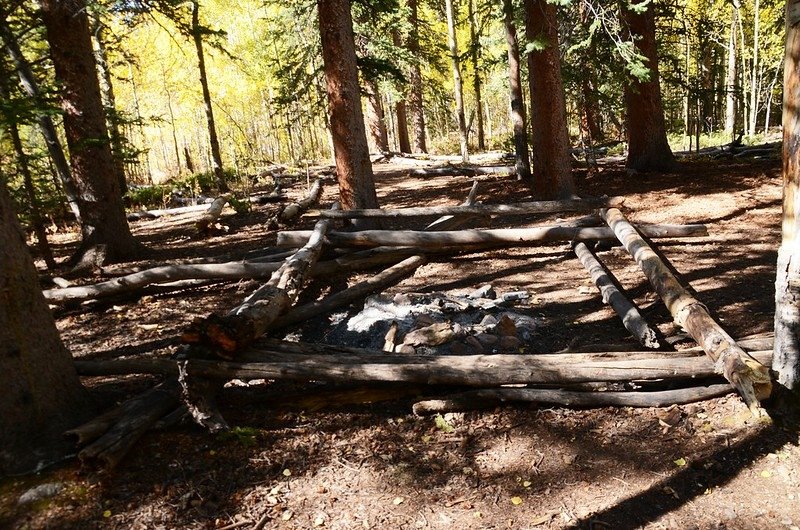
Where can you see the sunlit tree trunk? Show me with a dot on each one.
(786, 357)
(375, 117)
(109, 101)
(42, 396)
(106, 235)
(458, 89)
(476, 74)
(403, 141)
(216, 156)
(551, 166)
(415, 100)
(730, 77)
(648, 149)
(754, 83)
(517, 112)
(353, 168)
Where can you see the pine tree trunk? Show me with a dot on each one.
(786, 356)
(46, 125)
(42, 396)
(353, 168)
(375, 117)
(415, 101)
(754, 84)
(648, 149)
(216, 156)
(458, 89)
(551, 166)
(109, 101)
(106, 235)
(730, 78)
(517, 112)
(476, 74)
(403, 142)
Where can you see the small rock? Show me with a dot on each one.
(505, 327)
(432, 335)
(487, 291)
(487, 341)
(401, 299)
(474, 344)
(406, 349)
(508, 343)
(515, 296)
(42, 491)
(488, 321)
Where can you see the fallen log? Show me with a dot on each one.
(481, 399)
(491, 237)
(629, 313)
(113, 434)
(212, 214)
(454, 171)
(750, 378)
(525, 208)
(296, 209)
(465, 370)
(152, 214)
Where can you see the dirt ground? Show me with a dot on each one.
(332, 465)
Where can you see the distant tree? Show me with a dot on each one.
(786, 356)
(415, 99)
(474, 54)
(353, 167)
(458, 90)
(517, 108)
(42, 396)
(551, 166)
(376, 122)
(106, 235)
(403, 141)
(648, 149)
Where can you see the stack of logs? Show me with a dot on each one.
(233, 346)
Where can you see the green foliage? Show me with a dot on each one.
(246, 436)
(147, 197)
(239, 205)
(443, 425)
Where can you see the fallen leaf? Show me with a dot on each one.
(426, 438)
(766, 473)
(680, 462)
(526, 483)
(319, 521)
(398, 501)
(107, 514)
(477, 515)
(516, 501)
(288, 514)
(287, 473)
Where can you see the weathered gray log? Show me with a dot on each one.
(136, 416)
(296, 209)
(481, 399)
(525, 208)
(750, 378)
(152, 214)
(629, 313)
(356, 292)
(469, 370)
(450, 222)
(211, 215)
(492, 237)
(453, 171)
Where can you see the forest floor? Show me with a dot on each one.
(292, 462)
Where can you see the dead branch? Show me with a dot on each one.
(481, 399)
(296, 209)
(750, 378)
(525, 208)
(212, 214)
(486, 238)
(629, 313)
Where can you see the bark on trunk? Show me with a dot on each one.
(375, 117)
(106, 235)
(517, 111)
(42, 396)
(730, 76)
(787, 283)
(458, 89)
(213, 141)
(353, 168)
(415, 100)
(747, 375)
(551, 166)
(476, 74)
(648, 149)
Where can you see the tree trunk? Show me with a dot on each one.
(648, 149)
(106, 235)
(415, 101)
(754, 79)
(517, 112)
(375, 117)
(551, 165)
(730, 77)
(46, 126)
(42, 396)
(457, 85)
(403, 142)
(109, 101)
(353, 168)
(787, 284)
(474, 47)
(216, 156)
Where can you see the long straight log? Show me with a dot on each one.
(629, 313)
(525, 208)
(468, 370)
(750, 378)
(492, 237)
(481, 399)
(452, 171)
